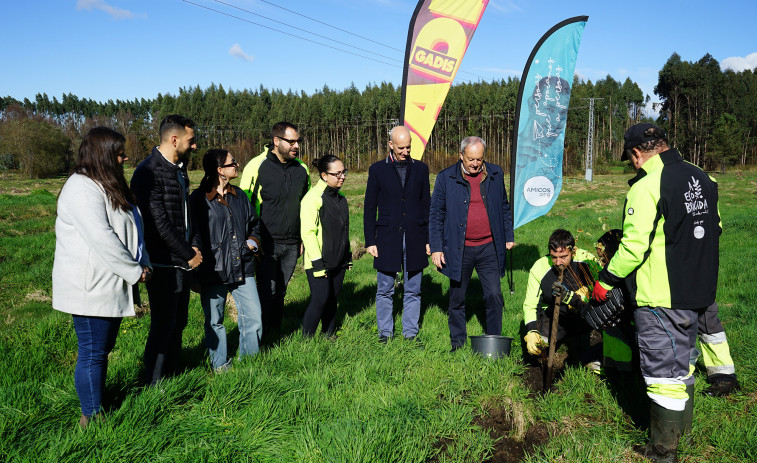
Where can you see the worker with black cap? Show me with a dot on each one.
(716, 355)
(668, 257)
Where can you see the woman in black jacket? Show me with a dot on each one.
(226, 231)
(325, 231)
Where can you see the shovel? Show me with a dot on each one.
(548, 371)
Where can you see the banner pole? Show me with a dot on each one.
(512, 283)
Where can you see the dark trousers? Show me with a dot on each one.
(484, 259)
(96, 336)
(324, 292)
(273, 275)
(168, 290)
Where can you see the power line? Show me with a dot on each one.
(329, 25)
(318, 35)
(303, 30)
(289, 34)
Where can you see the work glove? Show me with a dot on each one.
(562, 291)
(600, 293)
(534, 342)
(579, 300)
(575, 300)
(601, 315)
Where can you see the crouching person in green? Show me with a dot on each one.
(580, 270)
(325, 231)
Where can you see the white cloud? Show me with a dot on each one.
(236, 50)
(738, 64)
(505, 6)
(112, 11)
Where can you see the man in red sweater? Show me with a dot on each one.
(470, 228)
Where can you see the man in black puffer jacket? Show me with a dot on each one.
(161, 188)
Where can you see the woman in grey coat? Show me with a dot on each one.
(99, 255)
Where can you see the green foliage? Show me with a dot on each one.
(351, 123)
(696, 96)
(727, 142)
(8, 162)
(40, 149)
(315, 400)
(354, 123)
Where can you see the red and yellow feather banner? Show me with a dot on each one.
(439, 34)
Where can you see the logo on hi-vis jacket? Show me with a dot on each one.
(696, 204)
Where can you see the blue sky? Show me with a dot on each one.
(125, 49)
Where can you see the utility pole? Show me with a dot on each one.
(590, 141)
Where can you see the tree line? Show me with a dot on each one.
(709, 114)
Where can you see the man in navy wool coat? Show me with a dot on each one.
(397, 237)
(470, 227)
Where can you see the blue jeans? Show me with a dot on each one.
(277, 266)
(213, 299)
(97, 336)
(411, 309)
(484, 259)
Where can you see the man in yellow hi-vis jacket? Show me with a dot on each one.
(668, 257)
(276, 181)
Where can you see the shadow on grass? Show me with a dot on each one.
(432, 294)
(475, 306)
(524, 256)
(353, 299)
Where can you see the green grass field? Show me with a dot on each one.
(352, 400)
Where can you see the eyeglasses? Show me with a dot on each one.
(234, 162)
(291, 142)
(342, 173)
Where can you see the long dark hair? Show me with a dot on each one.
(213, 159)
(97, 160)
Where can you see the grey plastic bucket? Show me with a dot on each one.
(491, 346)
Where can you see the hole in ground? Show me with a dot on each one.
(498, 422)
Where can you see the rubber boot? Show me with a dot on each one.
(665, 428)
(688, 415)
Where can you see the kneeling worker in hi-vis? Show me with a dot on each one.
(545, 285)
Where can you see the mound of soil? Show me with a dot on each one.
(498, 423)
